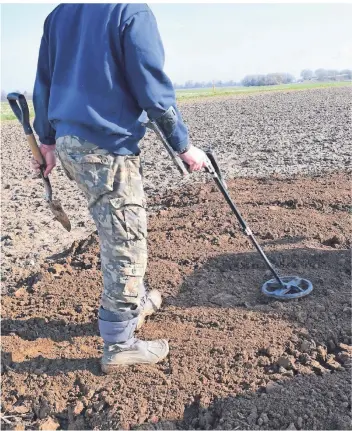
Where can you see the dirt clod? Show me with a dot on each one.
(76, 409)
(49, 424)
(322, 353)
(272, 387)
(284, 362)
(346, 347)
(20, 292)
(299, 422)
(334, 241)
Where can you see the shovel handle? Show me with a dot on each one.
(19, 107)
(36, 151)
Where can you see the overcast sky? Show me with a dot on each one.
(206, 41)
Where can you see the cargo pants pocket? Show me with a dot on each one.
(95, 173)
(131, 278)
(129, 219)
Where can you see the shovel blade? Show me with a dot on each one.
(60, 215)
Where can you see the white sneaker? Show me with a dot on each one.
(149, 305)
(140, 352)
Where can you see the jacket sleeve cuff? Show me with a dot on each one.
(174, 129)
(182, 146)
(47, 141)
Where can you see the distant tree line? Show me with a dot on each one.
(273, 79)
(27, 95)
(203, 84)
(326, 74)
(269, 79)
(306, 75)
(257, 80)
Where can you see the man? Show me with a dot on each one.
(100, 69)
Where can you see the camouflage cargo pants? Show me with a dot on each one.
(114, 190)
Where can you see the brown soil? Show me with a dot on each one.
(238, 360)
(285, 133)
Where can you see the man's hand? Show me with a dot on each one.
(195, 158)
(48, 152)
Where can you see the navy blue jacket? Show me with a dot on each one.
(100, 71)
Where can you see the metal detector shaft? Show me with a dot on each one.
(177, 161)
(243, 224)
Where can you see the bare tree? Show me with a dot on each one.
(321, 74)
(346, 73)
(307, 74)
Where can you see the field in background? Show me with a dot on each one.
(233, 91)
(7, 114)
(195, 93)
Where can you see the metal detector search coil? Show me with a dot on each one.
(294, 287)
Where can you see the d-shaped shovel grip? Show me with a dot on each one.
(19, 107)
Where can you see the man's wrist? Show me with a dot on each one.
(49, 141)
(48, 146)
(184, 150)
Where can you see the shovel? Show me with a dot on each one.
(19, 107)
